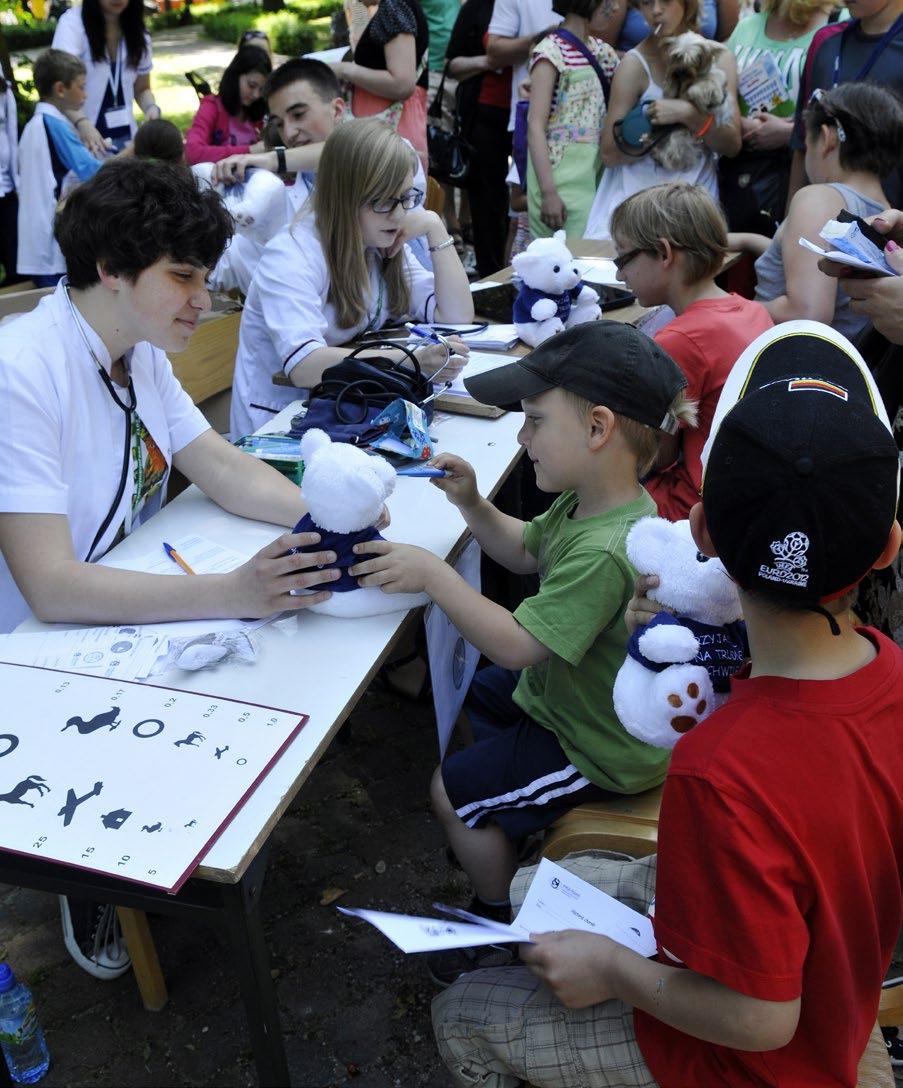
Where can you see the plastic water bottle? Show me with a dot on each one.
(21, 1037)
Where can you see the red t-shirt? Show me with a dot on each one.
(705, 342)
(779, 869)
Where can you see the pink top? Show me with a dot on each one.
(215, 133)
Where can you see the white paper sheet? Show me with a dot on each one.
(204, 556)
(482, 285)
(328, 56)
(598, 270)
(556, 900)
(124, 653)
(846, 258)
(478, 362)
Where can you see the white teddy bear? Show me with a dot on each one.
(257, 204)
(345, 490)
(679, 665)
(552, 296)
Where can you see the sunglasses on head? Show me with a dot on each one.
(818, 95)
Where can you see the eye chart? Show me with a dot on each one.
(127, 779)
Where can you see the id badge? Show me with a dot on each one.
(118, 118)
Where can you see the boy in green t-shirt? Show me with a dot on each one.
(597, 399)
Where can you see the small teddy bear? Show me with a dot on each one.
(552, 296)
(257, 204)
(345, 490)
(679, 665)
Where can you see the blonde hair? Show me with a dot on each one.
(684, 215)
(362, 161)
(642, 440)
(799, 12)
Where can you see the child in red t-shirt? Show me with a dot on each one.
(778, 878)
(671, 241)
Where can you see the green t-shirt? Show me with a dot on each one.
(586, 581)
(756, 54)
(440, 18)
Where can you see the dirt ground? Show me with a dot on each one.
(355, 1011)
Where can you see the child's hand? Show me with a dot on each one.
(573, 964)
(640, 609)
(460, 481)
(553, 211)
(395, 568)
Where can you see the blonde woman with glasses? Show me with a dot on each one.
(343, 268)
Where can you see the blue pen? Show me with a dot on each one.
(427, 334)
(421, 470)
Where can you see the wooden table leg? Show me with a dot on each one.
(151, 984)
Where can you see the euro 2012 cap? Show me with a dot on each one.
(801, 472)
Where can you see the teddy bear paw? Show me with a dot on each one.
(692, 706)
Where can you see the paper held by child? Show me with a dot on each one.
(849, 246)
(557, 900)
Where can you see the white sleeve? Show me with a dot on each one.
(183, 420)
(421, 284)
(505, 19)
(30, 443)
(291, 295)
(70, 34)
(146, 63)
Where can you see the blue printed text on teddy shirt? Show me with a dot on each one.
(722, 650)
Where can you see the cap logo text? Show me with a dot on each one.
(790, 561)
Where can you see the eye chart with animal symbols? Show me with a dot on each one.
(128, 779)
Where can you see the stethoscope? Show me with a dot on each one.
(127, 410)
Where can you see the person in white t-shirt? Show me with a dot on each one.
(91, 422)
(514, 25)
(86, 389)
(108, 36)
(343, 268)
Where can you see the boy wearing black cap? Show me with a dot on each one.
(597, 398)
(778, 887)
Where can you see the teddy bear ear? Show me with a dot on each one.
(560, 237)
(312, 441)
(385, 472)
(645, 542)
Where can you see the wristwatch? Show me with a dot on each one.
(281, 167)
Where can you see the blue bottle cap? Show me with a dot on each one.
(7, 978)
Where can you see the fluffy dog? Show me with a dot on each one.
(691, 74)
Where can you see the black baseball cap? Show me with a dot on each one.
(608, 362)
(801, 471)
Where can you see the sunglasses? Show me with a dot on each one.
(411, 199)
(818, 95)
(621, 262)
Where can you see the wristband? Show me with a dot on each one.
(281, 167)
(704, 127)
(442, 245)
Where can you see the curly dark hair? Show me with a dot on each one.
(131, 23)
(135, 211)
(250, 58)
(871, 120)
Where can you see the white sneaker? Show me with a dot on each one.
(93, 937)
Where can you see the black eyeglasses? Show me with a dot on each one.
(621, 262)
(408, 200)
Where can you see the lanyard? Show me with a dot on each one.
(377, 313)
(115, 77)
(885, 40)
